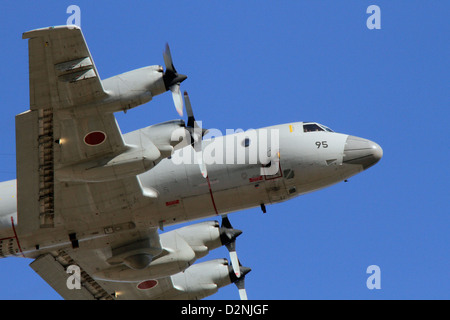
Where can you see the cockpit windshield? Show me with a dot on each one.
(313, 126)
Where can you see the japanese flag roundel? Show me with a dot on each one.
(95, 138)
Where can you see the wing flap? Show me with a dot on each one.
(74, 64)
(28, 172)
(54, 273)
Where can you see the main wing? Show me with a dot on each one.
(64, 137)
(71, 180)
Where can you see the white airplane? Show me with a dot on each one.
(89, 201)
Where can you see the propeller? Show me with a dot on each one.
(236, 270)
(231, 244)
(196, 133)
(172, 80)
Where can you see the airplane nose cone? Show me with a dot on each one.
(362, 152)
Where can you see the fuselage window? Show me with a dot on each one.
(310, 127)
(288, 174)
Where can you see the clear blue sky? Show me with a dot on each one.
(256, 63)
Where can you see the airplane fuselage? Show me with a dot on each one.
(300, 162)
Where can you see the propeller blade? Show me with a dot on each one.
(196, 143)
(203, 170)
(189, 112)
(201, 164)
(196, 133)
(235, 263)
(226, 222)
(243, 294)
(177, 99)
(172, 80)
(240, 284)
(168, 59)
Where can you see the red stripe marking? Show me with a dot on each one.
(15, 236)
(211, 194)
(171, 203)
(255, 179)
(9, 238)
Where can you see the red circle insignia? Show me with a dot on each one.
(95, 138)
(148, 284)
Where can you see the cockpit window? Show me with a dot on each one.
(310, 127)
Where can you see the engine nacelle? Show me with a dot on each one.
(145, 148)
(181, 248)
(171, 260)
(201, 237)
(165, 136)
(133, 88)
(200, 280)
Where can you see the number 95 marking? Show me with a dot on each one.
(322, 144)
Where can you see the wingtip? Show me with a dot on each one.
(41, 31)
